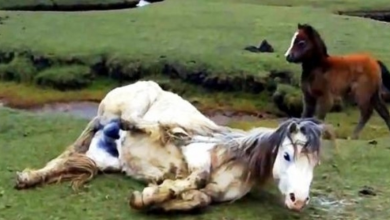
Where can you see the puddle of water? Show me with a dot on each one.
(84, 110)
(88, 110)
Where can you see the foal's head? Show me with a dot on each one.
(306, 45)
(297, 142)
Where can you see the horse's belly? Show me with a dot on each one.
(146, 160)
(197, 156)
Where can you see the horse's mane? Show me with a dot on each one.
(313, 34)
(259, 148)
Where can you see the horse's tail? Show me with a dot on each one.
(385, 75)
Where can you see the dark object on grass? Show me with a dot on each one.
(373, 142)
(367, 191)
(264, 47)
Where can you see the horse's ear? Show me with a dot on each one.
(300, 26)
(293, 128)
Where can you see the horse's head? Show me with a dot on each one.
(306, 45)
(297, 144)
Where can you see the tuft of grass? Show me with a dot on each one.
(20, 70)
(340, 177)
(27, 96)
(65, 77)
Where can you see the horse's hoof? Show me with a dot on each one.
(136, 201)
(22, 179)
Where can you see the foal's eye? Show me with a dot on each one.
(301, 43)
(286, 157)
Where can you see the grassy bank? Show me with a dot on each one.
(199, 43)
(340, 177)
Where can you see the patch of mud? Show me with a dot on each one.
(88, 110)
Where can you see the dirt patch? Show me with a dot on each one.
(375, 15)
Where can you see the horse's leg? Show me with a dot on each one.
(324, 104)
(366, 109)
(186, 201)
(71, 164)
(381, 108)
(154, 195)
(155, 130)
(309, 105)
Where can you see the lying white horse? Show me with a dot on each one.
(187, 160)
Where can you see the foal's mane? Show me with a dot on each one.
(260, 147)
(313, 35)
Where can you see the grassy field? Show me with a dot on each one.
(26, 140)
(194, 48)
(197, 42)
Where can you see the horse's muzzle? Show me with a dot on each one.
(290, 58)
(295, 204)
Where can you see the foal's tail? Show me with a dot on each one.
(385, 75)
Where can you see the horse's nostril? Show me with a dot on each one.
(292, 197)
(307, 199)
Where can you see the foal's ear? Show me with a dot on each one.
(293, 128)
(300, 26)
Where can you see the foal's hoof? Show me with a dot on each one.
(22, 180)
(136, 201)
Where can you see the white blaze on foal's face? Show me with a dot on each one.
(293, 169)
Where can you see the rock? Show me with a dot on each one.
(373, 142)
(264, 47)
(367, 191)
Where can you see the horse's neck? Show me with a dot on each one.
(255, 138)
(312, 66)
(257, 150)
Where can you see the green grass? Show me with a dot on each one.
(28, 140)
(191, 37)
(211, 33)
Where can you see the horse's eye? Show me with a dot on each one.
(301, 43)
(286, 157)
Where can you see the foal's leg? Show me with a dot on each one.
(71, 164)
(309, 105)
(381, 108)
(324, 104)
(366, 109)
(169, 189)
